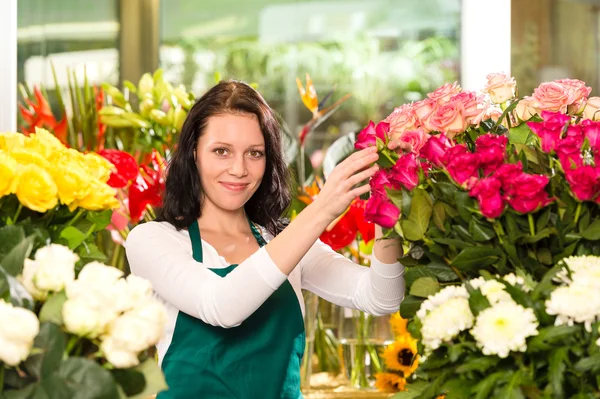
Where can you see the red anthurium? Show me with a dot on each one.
(127, 168)
(39, 114)
(366, 229)
(342, 234)
(142, 194)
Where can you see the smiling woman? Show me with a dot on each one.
(234, 294)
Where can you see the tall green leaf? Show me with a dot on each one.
(51, 342)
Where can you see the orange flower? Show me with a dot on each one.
(389, 382)
(309, 95)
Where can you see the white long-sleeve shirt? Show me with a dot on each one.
(163, 255)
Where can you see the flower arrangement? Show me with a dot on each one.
(495, 192)
(70, 334)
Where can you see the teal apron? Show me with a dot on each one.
(259, 359)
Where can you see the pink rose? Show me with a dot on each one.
(487, 192)
(402, 119)
(584, 182)
(592, 108)
(449, 118)
(381, 211)
(580, 93)
(369, 135)
(529, 193)
(527, 108)
(474, 106)
(591, 130)
(443, 93)
(493, 113)
(405, 172)
(491, 150)
(423, 110)
(463, 167)
(569, 152)
(416, 138)
(550, 129)
(435, 149)
(553, 96)
(380, 181)
(500, 87)
(507, 175)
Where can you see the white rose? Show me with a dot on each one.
(16, 337)
(56, 267)
(99, 274)
(131, 293)
(85, 318)
(155, 314)
(30, 268)
(117, 355)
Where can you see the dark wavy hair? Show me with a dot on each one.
(182, 201)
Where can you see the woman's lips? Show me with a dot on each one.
(236, 187)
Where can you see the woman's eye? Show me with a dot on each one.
(256, 154)
(220, 151)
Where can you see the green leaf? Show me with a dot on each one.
(481, 364)
(512, 390)
(13, 261)
(459, 244)
(592, 233)
(415, 273)
(519, 134)
(52, 341)
(395, 196)
(556, 370)
(73, 236)
(424, 287)
(131, 381)
(52, 310)
(90, 252)
(463, 204)
(10, 237)
(457, 388)
(487, 385)
(410, 305)
(540, 235)
(406, 203)
(100, 218)
(447, 190)
(413, 389)
(87, 379)
(439, 215)
(589, 364)
(339, 150)
(155, 379)
(480, 232)
(420, 214)
(546, 285)
(442, 271)
(474, 258)
(551, 337)
(477, 301)
(543, 219)
(11, 289)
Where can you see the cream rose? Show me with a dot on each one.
(500, 87)
(118, 356)
(449, 118)
(527, 108)
(592, 109)
(56, 267)
(423, 110)
(402, 119)
(442, 94)
(553, 96)
(16, 337)
(416, 138)
(474, 105)
(580, 93)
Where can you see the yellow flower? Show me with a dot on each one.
(29, 156)
(97, 166)
(308, 95)
(440, 396)
(44, 143)
(10, 140)
(402, 355)
(389, 382)
(35, 188)
(398, 324)
(72, 180)
(101, 197)
(8, 171)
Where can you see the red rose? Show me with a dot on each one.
(381, 211)
(569, 152)
(405, 172)
(529, 193)
(369, 135)
(591, 131)
(435, 149)
(487, 192)
(507, 174)
(491, 150)
(463, 168)
(585, 182)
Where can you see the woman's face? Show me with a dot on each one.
(231, 160)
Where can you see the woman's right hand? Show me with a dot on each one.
(339, 189)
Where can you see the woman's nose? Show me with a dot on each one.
(238, 166)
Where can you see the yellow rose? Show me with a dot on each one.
(72, 180)
(101, 197)
(10, 140)
(44, 142)
(29, 156)
(8, 172)
(35, 189)
(98, 166)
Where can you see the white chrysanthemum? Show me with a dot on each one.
(493, 290)
(577, 303)
(440, 298)
(504, 327)
(578, 264)
(516, 281)
(445, 322)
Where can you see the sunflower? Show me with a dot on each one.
(389, 382)
(402, 355)
(398, 324)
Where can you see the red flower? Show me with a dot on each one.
(405, 172)
(463, 165)
(343, 232)
(380, 181)
(381, 211)
(569, 152)
(585, 182)
(435, 149)
(550, 129)
(39, 114)
(591, 131)
(487, 192)
(507, 174)
(127, 168)
(491, 150)
(529, 193)
(369, 135)
(366, 228)
(147, 188)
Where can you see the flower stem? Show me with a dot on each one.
(76, 217)
(14, 221)
(577, 212)
(531, 224)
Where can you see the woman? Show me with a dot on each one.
(228, 268)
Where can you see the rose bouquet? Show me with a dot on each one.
(85, 336)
